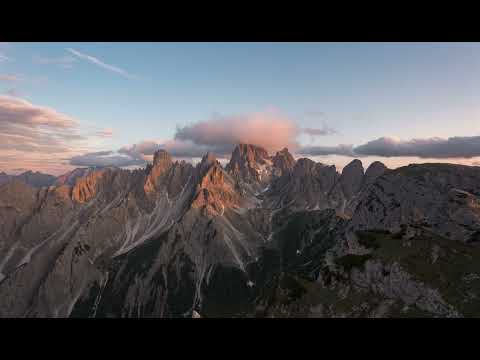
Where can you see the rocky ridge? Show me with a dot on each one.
(175, 240)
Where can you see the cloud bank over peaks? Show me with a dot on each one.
(218, 135)
(459, 147)
(105, 158)
(270, 130)
(437, 148)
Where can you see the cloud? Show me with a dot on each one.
(176, 148)
(16, 111)
(38, 137)
(218, 135)
(4, 58)
(270, 130)
(465, 147)
(105, 158)
(345, 150)
(105, 133)
(138, 150)
(188, 149)
(9, 78)
(434, 148)
(100, 63)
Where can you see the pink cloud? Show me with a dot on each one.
(270, 130)
(106, 133)
(37, 137)
(9, 78)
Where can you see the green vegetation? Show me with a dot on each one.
(450, 267)
(437, 262)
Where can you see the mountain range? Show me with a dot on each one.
(265, 236)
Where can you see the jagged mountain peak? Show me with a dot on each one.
(247, 156)
(70, 178)
(352, 178)
(303, 166)
(162, 162)
(215, 190)
(209, 158)
(376, 166)
(162, 158)
(86, 187)
(283, 161)
(251, 149)
(375, 170)
(355, 166)
(251, 164)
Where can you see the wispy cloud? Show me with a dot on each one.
(102, 64)
(9, 78)
(4, 58)
(38, 138)
(325, 130)
(105, 133)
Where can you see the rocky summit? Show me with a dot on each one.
(265, 236)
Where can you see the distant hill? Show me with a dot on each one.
(35, 179)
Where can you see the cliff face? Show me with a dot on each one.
(444, 198)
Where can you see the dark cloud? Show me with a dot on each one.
(143, 148)
(105, 158)
(465, 147)
(345, 150)
(176, 148)
(435, 148)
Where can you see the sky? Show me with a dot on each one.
(67, 105)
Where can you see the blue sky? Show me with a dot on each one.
(362, 91)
